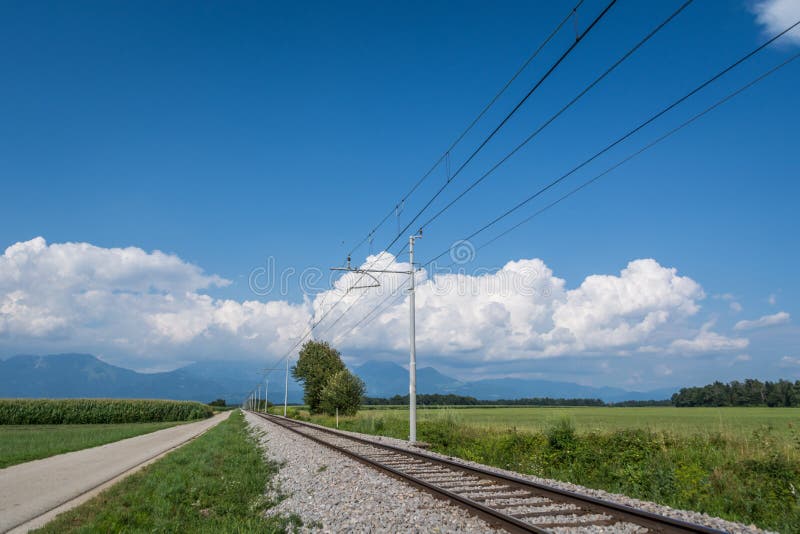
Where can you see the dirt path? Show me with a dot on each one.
(32, 493)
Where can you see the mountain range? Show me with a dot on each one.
(84, 375)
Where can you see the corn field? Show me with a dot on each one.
(84, 411)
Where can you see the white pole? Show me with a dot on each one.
(412, 366)
(286, 390)
(258, 398)
(266, 395)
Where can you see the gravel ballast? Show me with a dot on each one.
(348, 496)
(333, 493)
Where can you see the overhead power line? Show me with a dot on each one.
(510, 114)
(568, 105)
(578, 39)
(371, 315)
(446, 153)
(623, 137)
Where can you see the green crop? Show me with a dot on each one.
(94, 411)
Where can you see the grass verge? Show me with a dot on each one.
(23, 443)
(754, 480)
(216, 483)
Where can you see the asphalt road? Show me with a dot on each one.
(34, 492)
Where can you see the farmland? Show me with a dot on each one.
(742, 464)
(37, 428)
(98, 411)
(784, 423)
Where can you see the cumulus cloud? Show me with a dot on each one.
(126, 301)
(524, 311)
(761, 322)
(154, 307)
(788, 361)
(777, 15)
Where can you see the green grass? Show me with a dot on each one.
(732, 422)
(742, 464)
(214, 484)
(23, 443)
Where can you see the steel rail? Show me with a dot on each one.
(586, 504)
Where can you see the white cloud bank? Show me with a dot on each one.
(777, 15)
(524, 311)
(761, 322)
(126, 302)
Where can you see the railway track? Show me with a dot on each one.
(511, 503)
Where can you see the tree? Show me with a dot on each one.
(317, 363)
(217, 402)
(344, 391)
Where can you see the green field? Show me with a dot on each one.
(734, 422)
(214, 484)
(23, 443)
(742, 464)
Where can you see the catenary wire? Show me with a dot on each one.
(552, 68)
(585, 184)
(627, 135)
(471, 125)
(569, 104)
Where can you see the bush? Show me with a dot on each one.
(98, 411)
(344, 392)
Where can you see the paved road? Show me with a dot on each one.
(29, 491)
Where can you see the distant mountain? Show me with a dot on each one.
(386, 379)
(83, 375)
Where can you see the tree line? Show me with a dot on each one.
(435, 399)
(329, 387)
(751, 392)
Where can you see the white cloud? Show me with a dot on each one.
(742, 358)
(788, 361)
(125, 301)
(761, 322)
(524, 311)
(708, 341)
(772, 299)
(777, 15)
(153, 307)
(735, 307)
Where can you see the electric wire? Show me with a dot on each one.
(638, 152)
(594, 179)
(627, 135)
(446, 153)
(568, 105)
(578, 39)
(552, 68)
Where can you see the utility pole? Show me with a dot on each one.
(266, 395)
(412, 365)
(412, 338)
(258, 398)
(286, 388)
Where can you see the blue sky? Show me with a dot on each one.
(227, 134)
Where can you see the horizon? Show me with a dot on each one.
(180, 180)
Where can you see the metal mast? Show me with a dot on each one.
(412, 365)
(286, 390)
(412, 338)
